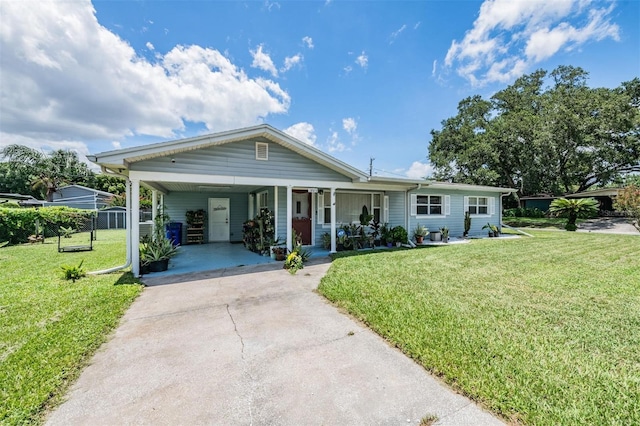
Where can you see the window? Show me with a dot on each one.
(349, 206)
(430, 205)
(262, 151)
(480, 206)
(263, 200)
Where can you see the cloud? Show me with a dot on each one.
(270, 5)
(349, 125)
(291, 61)
(65, 78)
(150, 46)
(348, 69)
(334, 144)
(417, 25)
(363, 60)
(308, 41)
(434, 68)
(509, 37)
(303, 132)
(419, 170)
(116, 145)
(263, 61)
(395, 34)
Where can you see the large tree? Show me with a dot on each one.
(560, 138)
(45, 172)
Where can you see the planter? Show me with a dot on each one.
(435, 236)
(419, 239)
(144, 268)
(445, 239)
(398, 244)
(389, 245)
(159, 265)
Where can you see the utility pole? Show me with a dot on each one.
(371, 166)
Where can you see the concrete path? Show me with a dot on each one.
(609, 225)
(253, 345)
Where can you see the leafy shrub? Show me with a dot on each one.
(628, 201)
(522, 212)
(16, 225)
(73, 273)
(399, 234)
(296, 259)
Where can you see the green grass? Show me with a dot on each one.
(49, 327)
(541, 331)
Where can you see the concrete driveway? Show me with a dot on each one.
(253, 345)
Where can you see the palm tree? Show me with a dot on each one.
(48, 171)
(573, 208)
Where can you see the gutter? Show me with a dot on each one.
(128, 223)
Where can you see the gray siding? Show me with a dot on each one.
(238, 159)
(397, 208)
(177, 204)
(80, 198)
(455, 220)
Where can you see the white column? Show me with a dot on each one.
(275, 211)
(154, 204)
(127, 219)
(333, 220)
(289, 218)
(135, 227)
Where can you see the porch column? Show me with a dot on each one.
(275, 212)
(289, 218)
(127, 218)
(135, 227)
(154, 206)
(333, 220)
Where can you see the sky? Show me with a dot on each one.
(355, 79)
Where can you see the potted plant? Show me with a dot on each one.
(157, 249)
(399, 235)
(279, 252)
(490, 229)
(467, 224)
(375, 232)
(445, 234)
(386, 236)
(419, 233)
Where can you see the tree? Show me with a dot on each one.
(573, 208)
(628, 201)
(46, 172)
(559, 139)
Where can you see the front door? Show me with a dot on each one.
(302, 215)
(218, 219)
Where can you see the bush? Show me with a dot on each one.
(399, 234)
(73, 273)
(522, 212)
(16, 225)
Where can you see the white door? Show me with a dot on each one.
(218, 219)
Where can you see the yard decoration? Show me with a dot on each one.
(572, 209)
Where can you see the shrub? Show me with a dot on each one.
(399, 234)
(522, 212)
(16, 225)
(73, 273)
(628, 201)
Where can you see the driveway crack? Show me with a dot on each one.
(235, 328)
(245, 366)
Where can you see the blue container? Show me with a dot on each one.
(174, 232)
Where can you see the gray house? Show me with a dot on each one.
(80, 197)
(233, 174)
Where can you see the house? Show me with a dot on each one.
(22, 200)
(234, 174)
(80, 197)
(604, 196)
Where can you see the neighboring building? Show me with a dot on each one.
(23, 200)
(233, 174)
(80, 197)
(605, 198)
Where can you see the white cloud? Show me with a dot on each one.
(303, 132)
(362, 60)
(263, 61)
(395, 34)
(65, 78)
(308, 41)
(116, 145)
(349, 125)
(270, 5)
(509, 37)
(291, 61)
(419, 170)
(150, 46)
(434, 68)
(334, 144)
(348, 69)
(417, 25)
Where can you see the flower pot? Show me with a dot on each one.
(159, 265)
(419, 239)
(435, 236)
(389, 245)
(144, 268)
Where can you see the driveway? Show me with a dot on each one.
(609, 225)
(253, 345)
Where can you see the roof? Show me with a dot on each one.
(96, 191)
(119, 160)
(11, 196)
(440, 185)
(603, 192)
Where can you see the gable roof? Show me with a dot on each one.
(95, 191)
(119, 160)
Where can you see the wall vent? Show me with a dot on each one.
(262, 151)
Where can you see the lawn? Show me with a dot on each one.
(50, 327)
(541, 331)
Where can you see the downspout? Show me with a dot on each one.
(128, 225)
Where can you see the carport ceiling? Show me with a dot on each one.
(204, 188)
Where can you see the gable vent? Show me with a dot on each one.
(262, 151)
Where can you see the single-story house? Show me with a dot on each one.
(234, 174)
(80, 197)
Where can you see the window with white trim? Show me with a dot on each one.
(349, 206)
(479, 206)
(425, 205)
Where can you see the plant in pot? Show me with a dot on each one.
(491, 229)
(467, 224)
(326, 241)
(156, 249)
(375, 232)
(386, 235)
(445, 234)
(419, 233)
(399, 235)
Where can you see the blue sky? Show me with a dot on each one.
(355, 79)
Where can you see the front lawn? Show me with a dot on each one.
(50, 327)
(541, 331)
